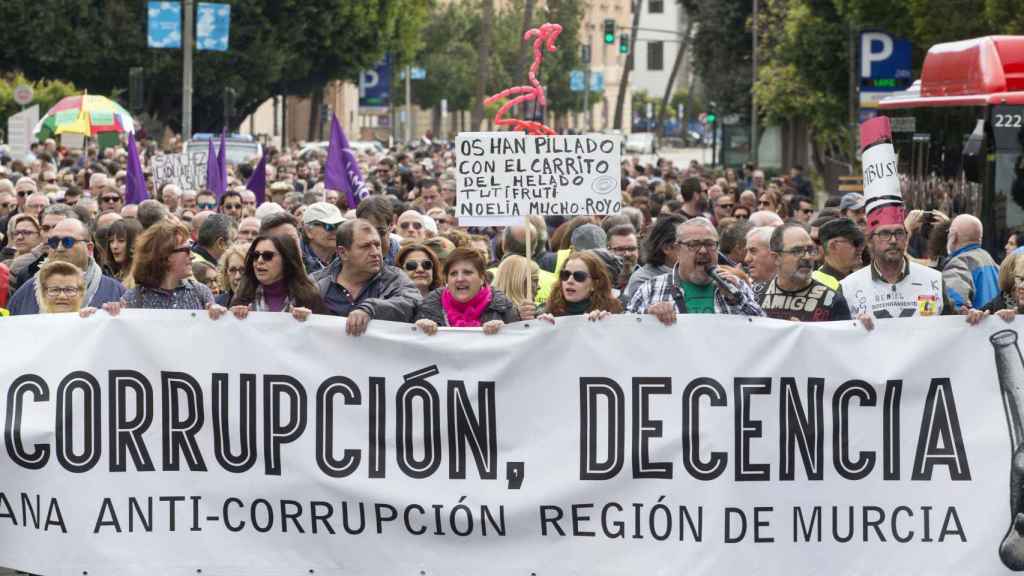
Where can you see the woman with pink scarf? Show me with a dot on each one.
(466, 300)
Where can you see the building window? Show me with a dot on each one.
(655, 55)
(656, 6)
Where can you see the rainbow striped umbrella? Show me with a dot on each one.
(87, 115)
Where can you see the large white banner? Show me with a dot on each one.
(166, 443)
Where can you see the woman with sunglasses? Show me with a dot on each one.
(24, 234)
(120, 250)
(421, 266)
(230, 269)
(466, 300)
(162, 271)
(583, 288)
(274, 280)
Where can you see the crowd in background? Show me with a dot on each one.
(688, 240)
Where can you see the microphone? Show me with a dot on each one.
(732, 289)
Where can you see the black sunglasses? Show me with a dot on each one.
(579, 275)
(412, 265)
(265, 256)
(66, 241)
(327, 227)
(111, 198)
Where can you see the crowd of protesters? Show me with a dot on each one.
(688, 240)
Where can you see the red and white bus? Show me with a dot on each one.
(959, 133)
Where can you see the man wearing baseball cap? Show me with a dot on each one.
(320, 222)
(892, 286)
(852, 206)
(843, 243)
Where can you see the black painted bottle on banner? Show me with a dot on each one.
(1010, 370)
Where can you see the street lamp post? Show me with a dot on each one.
(186, 74)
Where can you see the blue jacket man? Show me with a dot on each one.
(970, 275)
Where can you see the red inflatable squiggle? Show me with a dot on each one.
(545, 37)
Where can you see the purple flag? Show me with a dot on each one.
(258, 181)
(213, 183)
(342, 171)
(135, 183)
(222, 165)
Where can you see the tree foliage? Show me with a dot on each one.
(722, 53)
(449, 54)
(804, 60)
(46, 93)
(276, 47)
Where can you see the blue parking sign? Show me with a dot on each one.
(164, 30)
(374, 85)
(885, 62)
(213, 22)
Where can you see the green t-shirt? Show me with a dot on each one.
(699, 299)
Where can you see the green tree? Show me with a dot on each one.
(276, 47)
(722, 53)
(46, 94)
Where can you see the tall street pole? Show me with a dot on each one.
(186, 74)
(753, 97)
(408, 104)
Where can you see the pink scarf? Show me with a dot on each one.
(466, 314)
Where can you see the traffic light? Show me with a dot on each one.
(623, 43)
(710, 118)
(609, 31)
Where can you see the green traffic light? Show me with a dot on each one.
(711, 118)
(609, 38)
(624, 44)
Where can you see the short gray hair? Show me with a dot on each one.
(698, 222)
(61, 210)
(762, 234)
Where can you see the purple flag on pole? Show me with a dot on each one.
(258, 181)
(212, 171)
(135, 183)
(222, 166)
(342, 171)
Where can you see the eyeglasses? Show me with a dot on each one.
(327, 227)
(807, 210)
(695, 245)
(23, 233)
(66, 241)
(206, 205)
(110, 199)
(23, 193)
(235, 270)
(412, 265)
(579, 275)
(625, 250)
(413, 225)
(183, 249)
(890, 235)
(809, 250)
(265, 256)
(6, 205)
(57, 291)
(727, 205)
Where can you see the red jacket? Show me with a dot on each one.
(5, 285)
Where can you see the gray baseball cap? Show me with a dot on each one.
(851, 201)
